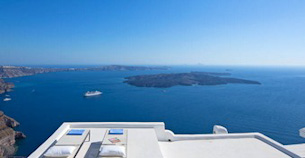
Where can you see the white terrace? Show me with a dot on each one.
(152, 140)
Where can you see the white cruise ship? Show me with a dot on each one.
(152, 140)
(92, 93)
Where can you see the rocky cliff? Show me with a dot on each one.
(15, 71)
(18, 71)
(4, 86)
(8, 135)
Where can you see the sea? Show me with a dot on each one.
(276, 108)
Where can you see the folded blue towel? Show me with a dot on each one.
(116, 131)
(76, 132)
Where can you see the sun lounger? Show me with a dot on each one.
(110, 138)
(68, 145)
(73, 139)
(115, 141)
(138, 143)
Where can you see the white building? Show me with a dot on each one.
(152, 140)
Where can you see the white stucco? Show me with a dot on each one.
(151, 140)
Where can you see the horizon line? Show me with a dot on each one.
(197, 65)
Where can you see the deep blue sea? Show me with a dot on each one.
(41, 103)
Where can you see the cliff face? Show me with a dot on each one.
(4, 86)
(15, 71)
(8, 136)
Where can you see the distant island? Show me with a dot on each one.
(125, 68)
(18, 71)
(185, 79)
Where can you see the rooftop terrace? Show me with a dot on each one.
(152, 140)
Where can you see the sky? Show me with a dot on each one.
(152, 32)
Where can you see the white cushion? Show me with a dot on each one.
(112, 151)
(60, 151)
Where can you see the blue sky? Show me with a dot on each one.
(158, 32)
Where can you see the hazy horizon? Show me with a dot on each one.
(168, 65)
(102, 32)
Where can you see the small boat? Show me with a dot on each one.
(7, 99)
(92, 93)
(7, 95)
